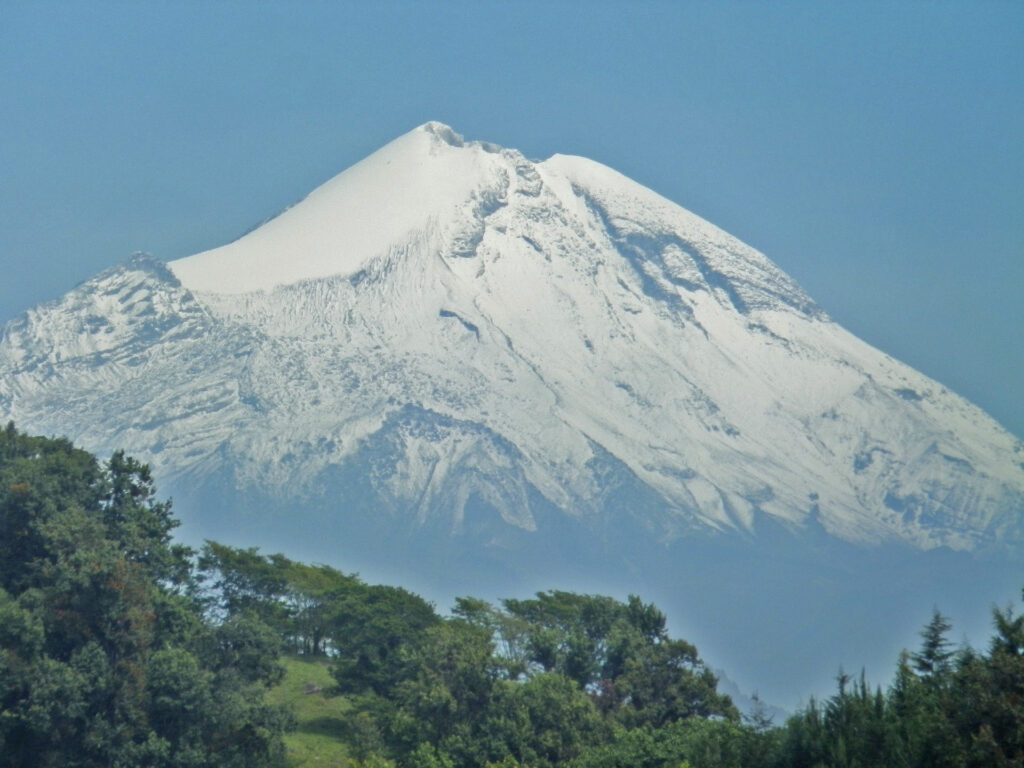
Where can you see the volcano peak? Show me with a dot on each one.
(407, 190)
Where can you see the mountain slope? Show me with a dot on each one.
(465, 331)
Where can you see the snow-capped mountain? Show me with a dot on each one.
(448, 329)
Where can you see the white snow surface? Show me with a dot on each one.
(506, 330)
(410, 186)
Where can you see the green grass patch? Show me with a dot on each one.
(310, 692)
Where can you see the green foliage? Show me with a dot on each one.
(244, 581)
(544, 721)
(105, 659)
(943, 710)
(694, 743)
(117, 648)
(317, 610)
(443, 688)
(536, 683)
(372, 627)
(932, 661)
(620, 653)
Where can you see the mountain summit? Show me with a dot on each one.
(457, 369)
(450, 335)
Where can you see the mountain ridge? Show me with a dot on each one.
(490, 329)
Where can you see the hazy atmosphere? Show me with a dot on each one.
(511, 385)
(871, 150)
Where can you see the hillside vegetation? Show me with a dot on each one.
(320, 736)
(119, 647)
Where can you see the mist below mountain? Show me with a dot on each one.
(457, 369)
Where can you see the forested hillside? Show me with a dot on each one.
(107, 654)
(119, 647)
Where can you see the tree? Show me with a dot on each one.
(371, 626)
(994, 687)
(622, 655)
(105, 657)
(542, 722)
(301, 602)
(933, 660)
(445, 689)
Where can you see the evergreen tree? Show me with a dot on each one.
(932, 662)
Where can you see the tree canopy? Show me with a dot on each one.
(106, 658)
(120, 647)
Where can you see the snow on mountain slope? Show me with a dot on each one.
(414, 184)
(472, 329)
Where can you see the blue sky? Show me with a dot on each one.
(874, 151)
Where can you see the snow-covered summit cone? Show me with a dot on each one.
(417, 183)
(448, 330)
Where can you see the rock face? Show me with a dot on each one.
(448, 329)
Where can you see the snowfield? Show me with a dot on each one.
(470, 329)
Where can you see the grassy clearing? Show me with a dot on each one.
(309, 690)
